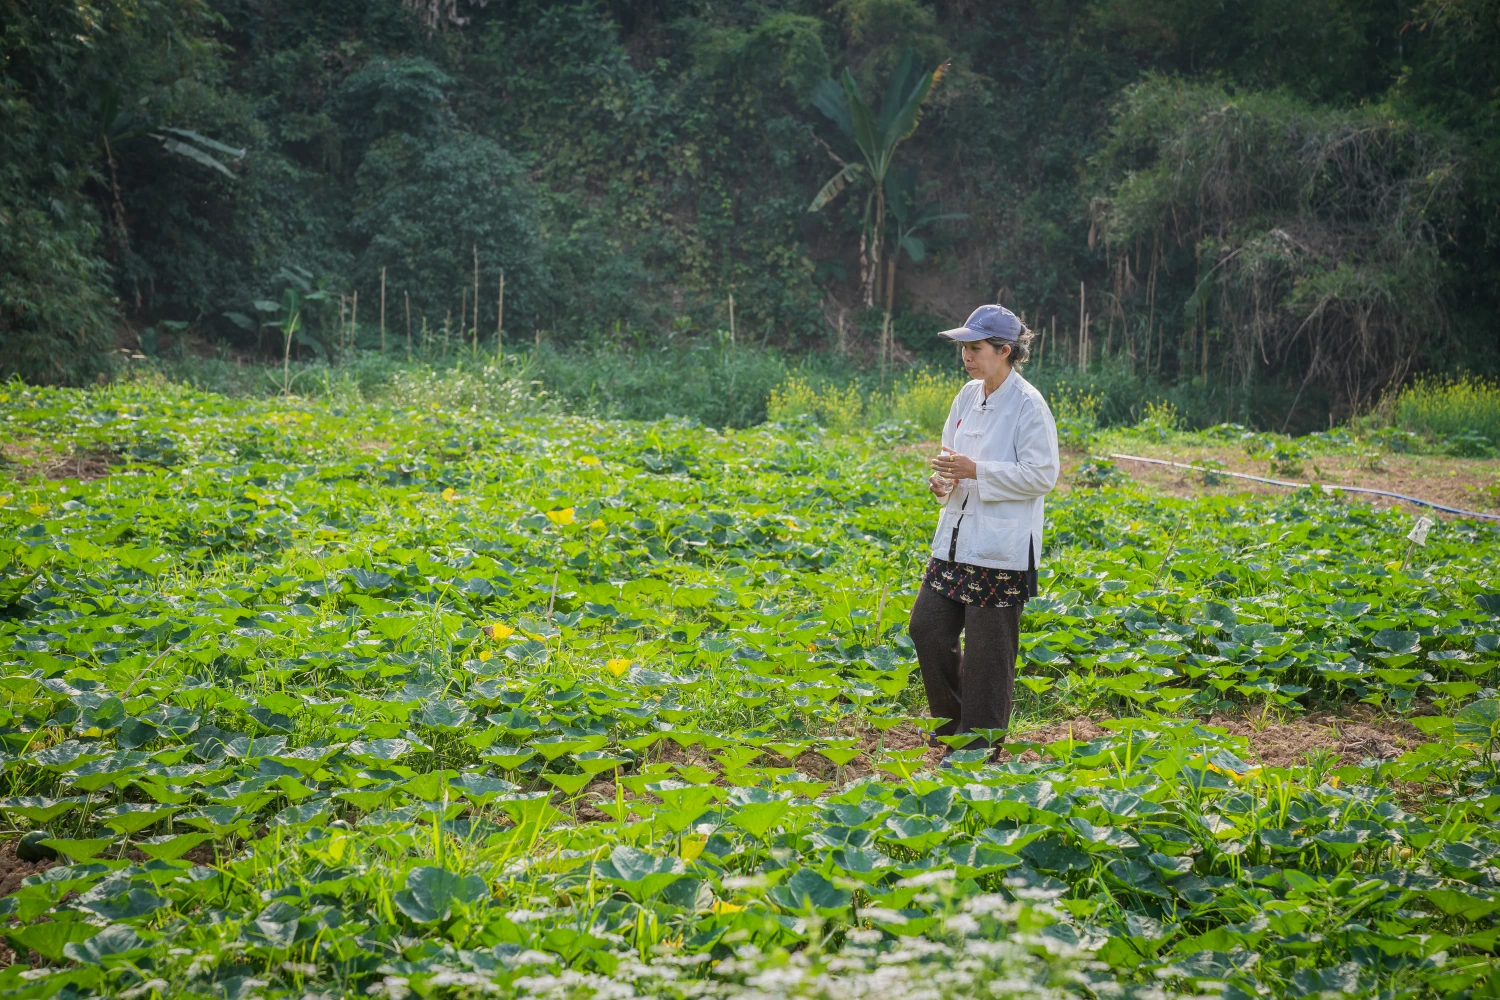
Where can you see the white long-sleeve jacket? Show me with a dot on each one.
(990, 520)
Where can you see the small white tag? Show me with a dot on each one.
(1418, 532)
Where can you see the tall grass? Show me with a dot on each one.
(1448, 408)
(922, 396)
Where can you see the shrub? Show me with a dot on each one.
(792, 399)
(1077, 417)
(1447, 408)
(922, 397)
(1160, 419)
(1100, 471)
(505, 387)
(56, 313)
(838, 408)
(1469, 444)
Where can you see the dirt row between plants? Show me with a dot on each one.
(1352, 738)
(1469, 484)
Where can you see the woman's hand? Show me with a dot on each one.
(952, 465)
(939, 486)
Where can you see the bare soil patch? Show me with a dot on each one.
(1348, 739)
(23, 460)
(13, 869)
(1470, 484)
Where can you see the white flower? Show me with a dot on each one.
(961, 924)
(928, 878)
(881, 913)
(391, 987)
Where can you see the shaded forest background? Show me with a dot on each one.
(1277, 208)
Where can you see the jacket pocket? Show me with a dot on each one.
(999, 539)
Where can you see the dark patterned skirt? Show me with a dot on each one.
(979, 585)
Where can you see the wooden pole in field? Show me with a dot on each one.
(343, 325)
(1083, 362)
(731, 317)
(476, 300)
(463, 314)
(1088, 342)
(407, 296)
(354, 320)
(500, 313)
(887, 343)
(382, 310)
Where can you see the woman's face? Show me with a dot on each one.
(983, 360)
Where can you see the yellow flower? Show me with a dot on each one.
(564, 516)
(590, 460)
(723, 906)
(693, 845)
(450, 495)
(596, 525)
(498, 631)
(38, 509)
(617, 667)
(484, 654)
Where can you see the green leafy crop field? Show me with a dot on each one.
(299, 700)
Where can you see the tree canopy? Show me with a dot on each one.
(1283, 206)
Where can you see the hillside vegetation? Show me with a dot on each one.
(1272, 210)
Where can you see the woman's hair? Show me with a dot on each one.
(1020, 348)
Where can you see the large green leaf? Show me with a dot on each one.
(48, 939)
(640, 874)
(806, 889)
(1479, 720)
(113, 944)
(431, 893)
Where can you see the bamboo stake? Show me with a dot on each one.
(1088, 342)
(407, 296)
(1082, 363)
(354, 321)
(343, 326)
(731, 317)
(382, 310)
(447, 322)
(500, 318)
(886, 343)
(476, 300)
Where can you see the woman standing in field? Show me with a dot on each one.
(999, 458)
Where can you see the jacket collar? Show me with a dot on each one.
(1012, 380)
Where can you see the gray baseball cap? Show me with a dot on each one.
(986, 322)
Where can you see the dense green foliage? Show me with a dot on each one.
(1305, 191)
(441, 696)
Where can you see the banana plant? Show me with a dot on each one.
(116, 127)
(877, 136)
(289, 323)
(901, 195)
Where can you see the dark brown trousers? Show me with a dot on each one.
(973, 685)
